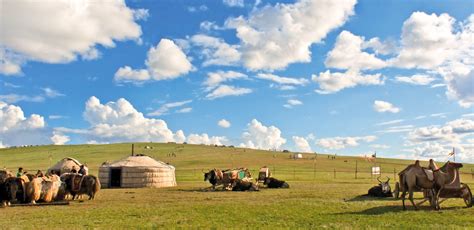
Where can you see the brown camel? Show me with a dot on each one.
(414, 178)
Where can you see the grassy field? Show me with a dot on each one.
(316, 199)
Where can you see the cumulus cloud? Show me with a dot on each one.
(302, 144)
(383, 106)
(337, 81)
(227, 90)
(36, 31)
(259, 136)
(347, 54)
(452, 131)
(216, 51)
(59, 139)
(214, 79)
(417, 79)
(272, 37)
(204, 139)
(164, 61)
(223, 123)
(343, 142)
(16, 129)
(119, 121)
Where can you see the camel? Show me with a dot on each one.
(414, 178)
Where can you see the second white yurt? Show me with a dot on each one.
(137, 172)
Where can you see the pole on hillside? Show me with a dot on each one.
(314, 169)
(133, 149)
(356, 170)
(394, 174)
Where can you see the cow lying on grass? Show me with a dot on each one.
(271, 182)
(381, 190)
(241, 185)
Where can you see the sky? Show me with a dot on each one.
(346, 77)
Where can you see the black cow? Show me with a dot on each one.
(381, 190)
(240, 185)
(271, 182)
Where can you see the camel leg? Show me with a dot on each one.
(404, 193)
(438, 207)
(410, 197)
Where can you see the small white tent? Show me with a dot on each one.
(137, 172)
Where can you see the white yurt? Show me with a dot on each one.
(65, 165)
(137, 172)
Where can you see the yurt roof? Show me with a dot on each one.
(139, 161)
(66, 161)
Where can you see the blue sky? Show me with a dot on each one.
(350, 77)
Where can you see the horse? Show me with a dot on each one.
(78, 184)
(415, 177)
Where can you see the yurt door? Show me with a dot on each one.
(115, 177)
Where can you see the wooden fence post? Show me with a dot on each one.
(356, 170)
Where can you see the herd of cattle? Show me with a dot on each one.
(29, 188)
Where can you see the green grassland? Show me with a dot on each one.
(317, 198)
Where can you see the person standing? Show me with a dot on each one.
(83, 170)
(20, 172)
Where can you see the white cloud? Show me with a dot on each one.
(120, 122)
(284, 83)
(204, 139)
(215, 79)
(59, 139)
(184, 110)
(274, 36)
(164, 61)
(380, 47)
(234, 3)
(290, 103)
(383, 106)
(200, 8)
(397, 129)
(55, 117)
(52, 93)
(38, 31)
(16, 129)
(451, 132)
(216, 51)
(226, 90)
(379, 146)
(417, 79)
(259, 136)
(347, 54)
(390, 122)
(343, 142)
(127, 74)
(302, 144)
(165, 108)
(224, 123)
(13, 98)
(337, 81)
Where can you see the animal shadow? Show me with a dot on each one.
(367, 198)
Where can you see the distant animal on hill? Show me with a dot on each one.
(241, 185)
(77, 184)
(381, 190)
(271, 182)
